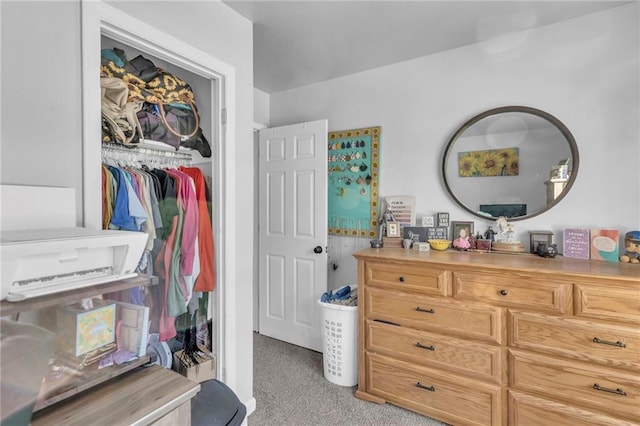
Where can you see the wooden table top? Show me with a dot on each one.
(138, 397)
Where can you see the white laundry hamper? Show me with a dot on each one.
(340, 343)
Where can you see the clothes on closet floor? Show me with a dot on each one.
(171, 206)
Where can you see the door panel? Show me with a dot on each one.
(305, 210)
(275, 286)
(275, 208)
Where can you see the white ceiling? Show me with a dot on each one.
(301, 42)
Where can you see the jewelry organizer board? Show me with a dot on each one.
(353, 172)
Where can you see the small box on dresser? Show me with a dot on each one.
(392, 242)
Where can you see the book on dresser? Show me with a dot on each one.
(576, 243)
(605, 244)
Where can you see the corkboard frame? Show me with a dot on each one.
(363, 221)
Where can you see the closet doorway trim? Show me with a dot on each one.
(100, 19)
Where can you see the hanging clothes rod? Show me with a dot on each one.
(167, 152)
(154, 157)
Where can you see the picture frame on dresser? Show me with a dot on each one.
(393, 229)
(457, 226)
(442, 219)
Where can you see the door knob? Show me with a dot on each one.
(317, 249)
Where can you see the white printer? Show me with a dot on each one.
(37, 262)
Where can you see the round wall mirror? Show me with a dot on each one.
(512, 161)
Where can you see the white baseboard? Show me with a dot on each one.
(251, 406)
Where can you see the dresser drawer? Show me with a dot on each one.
(597, 388)
(528, 410)
(434, 314)
(607, 345)
(434, 393)
(427, 280)
(514, 290)
(607, 301)
(469, 358)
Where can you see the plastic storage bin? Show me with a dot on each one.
(339, 343)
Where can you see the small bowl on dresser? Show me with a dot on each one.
(439, 244)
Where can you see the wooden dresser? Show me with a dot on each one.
(500, 339)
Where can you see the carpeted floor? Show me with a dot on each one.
(290, 389)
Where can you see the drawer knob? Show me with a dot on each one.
(617, 391)
(504, 292)
(428, 311)
(429, 388)
(607, 342)
(429, 348)
(401, 279)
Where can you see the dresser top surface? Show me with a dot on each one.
(521, 261)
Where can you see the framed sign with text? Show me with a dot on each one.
(443, 219)
(437, 233)
(353, 167)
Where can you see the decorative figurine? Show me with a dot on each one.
(547, 250)
(631, 248)
(505, 238)
(506, 231)
(472, 242)
(490, 234)
(388, 215)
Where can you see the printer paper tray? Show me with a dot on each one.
(69, 284)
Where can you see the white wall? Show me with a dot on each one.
(41, 98)
(584, 72)
(41, 111)
(261, 107)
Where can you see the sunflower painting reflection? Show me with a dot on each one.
(495, 162)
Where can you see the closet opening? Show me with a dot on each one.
(105, 27)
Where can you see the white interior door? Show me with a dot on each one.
(293, 231)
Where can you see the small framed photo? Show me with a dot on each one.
(428, 221)
(393, 229)
(461, 230)
(443, 219)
